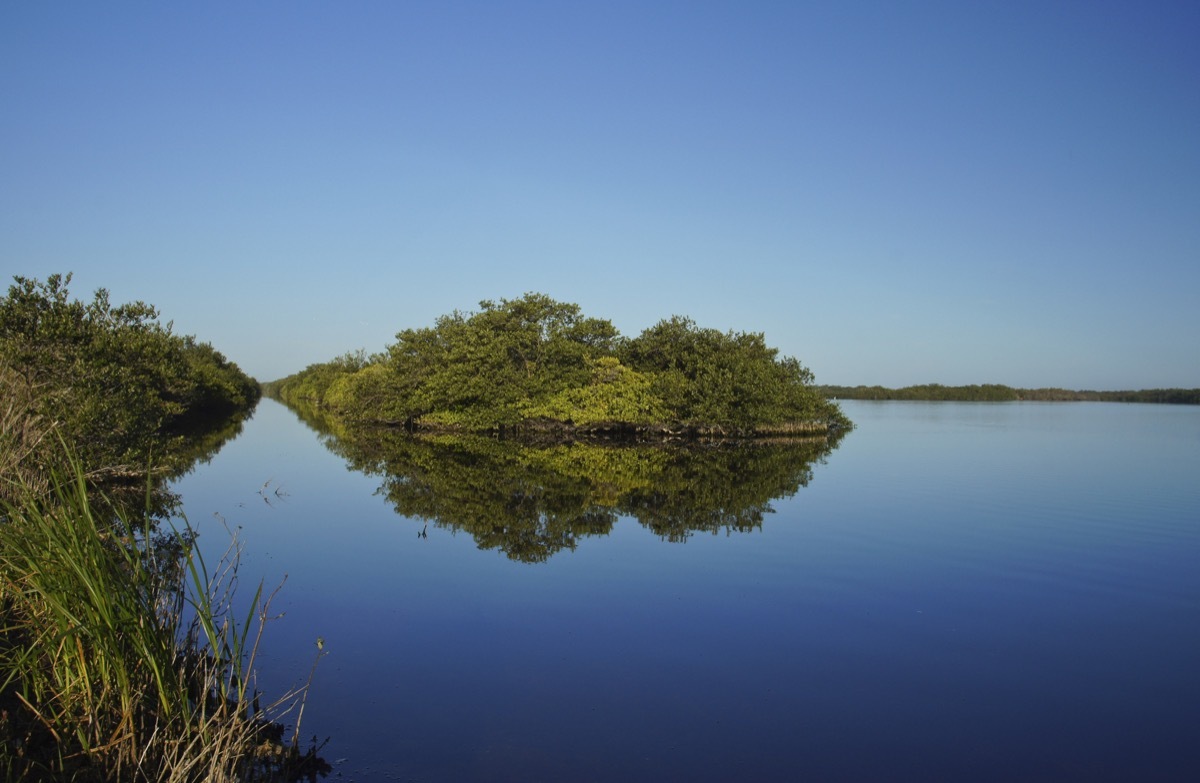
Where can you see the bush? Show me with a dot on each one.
(534, 358)
(111, 379)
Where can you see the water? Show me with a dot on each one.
(986, 592)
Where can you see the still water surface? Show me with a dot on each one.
(987, 592)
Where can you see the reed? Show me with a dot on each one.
(120, 654)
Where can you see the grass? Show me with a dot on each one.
(121, 657)
(22, 435)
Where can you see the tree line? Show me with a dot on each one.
(536, 362)
(992, 392)
(111, 381)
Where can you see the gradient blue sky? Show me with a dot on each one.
(894, 192)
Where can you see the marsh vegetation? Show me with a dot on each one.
(122, 655)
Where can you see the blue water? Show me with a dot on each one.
(963, 592)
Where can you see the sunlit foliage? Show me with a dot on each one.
(992, 392)
(732, 379)
(615, 393)
(531, 361)
(110, 380)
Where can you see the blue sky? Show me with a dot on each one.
(893, 192)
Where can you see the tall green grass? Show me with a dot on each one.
(121, 657)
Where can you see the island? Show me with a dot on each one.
(536, 365)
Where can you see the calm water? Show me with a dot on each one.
(985, 592)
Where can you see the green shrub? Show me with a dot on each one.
(112, 379)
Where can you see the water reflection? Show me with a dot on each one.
(146, 491)
(532, 500)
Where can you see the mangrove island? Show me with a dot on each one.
(537, 365)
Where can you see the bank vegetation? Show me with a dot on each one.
(110, 380)
(123, 655)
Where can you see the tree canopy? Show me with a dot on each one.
(517, 363)
(113, 380)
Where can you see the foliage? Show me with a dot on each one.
(614, 394)
(1160, 396)
(992, 392)
(518, 362)
(22, 434)
(317, 381)
(100, 676)
(729, 379)
(988, 392)
(480, 370)
(111, 379)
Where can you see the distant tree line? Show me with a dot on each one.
(535, 362)
(118, 387)
(992, 392)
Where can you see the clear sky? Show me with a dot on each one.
(893, 192)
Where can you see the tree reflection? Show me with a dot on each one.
(532, 500)
(135, 491)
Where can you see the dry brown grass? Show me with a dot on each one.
(24, 436)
